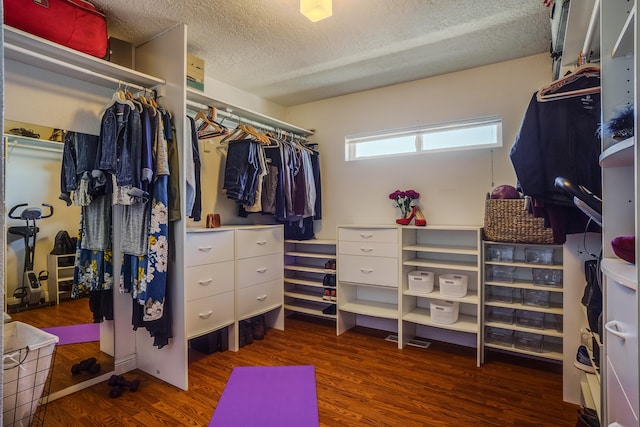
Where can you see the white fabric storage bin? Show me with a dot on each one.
(445, 312)
(421, 281)
(453, 285)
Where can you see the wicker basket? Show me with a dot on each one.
(509, 220)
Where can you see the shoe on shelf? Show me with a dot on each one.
(407, 219)
(583, 361)
(421, 221)
(586, 338)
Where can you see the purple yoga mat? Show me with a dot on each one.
(75, 334)
(268, 396)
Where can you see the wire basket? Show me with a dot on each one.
(29, 355)
(509, 220)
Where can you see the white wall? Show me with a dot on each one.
(452, 185)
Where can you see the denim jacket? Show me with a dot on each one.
(78, 158)
(119, 145)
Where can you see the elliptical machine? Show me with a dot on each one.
(30, 289)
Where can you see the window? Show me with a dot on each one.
(484, 132)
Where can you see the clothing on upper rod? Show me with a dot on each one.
(559, 136)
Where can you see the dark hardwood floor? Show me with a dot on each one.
(362, 380)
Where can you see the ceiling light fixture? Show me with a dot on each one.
(315, 10)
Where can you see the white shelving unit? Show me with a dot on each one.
(521, 315)
(60, 279)
(367, 275)
(441, 250)
(620, 386)
(305, 269)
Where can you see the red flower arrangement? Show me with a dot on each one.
(403, 200)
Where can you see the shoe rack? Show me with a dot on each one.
(310, 277)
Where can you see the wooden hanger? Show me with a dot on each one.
(553, 91)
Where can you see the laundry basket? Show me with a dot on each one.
(29, 353)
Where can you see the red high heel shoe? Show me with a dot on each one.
(407, 219)
(421, 221)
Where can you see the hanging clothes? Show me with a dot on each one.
(559, 137)
(194, 188)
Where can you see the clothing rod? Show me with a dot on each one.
(591, 29)
(75, 68)
(196, 106)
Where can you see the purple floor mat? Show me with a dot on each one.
(75, 334)
(268, 396)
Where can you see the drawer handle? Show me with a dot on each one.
(261, 270)
(205, 282)
(205, 315)
(613, 328)
(366, 236)
(261, 242)
(366, 249)
(262, 297)
(366, 270)
(204, 248)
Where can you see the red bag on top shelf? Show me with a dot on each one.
(72, 23)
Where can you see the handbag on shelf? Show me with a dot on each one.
(76, 24)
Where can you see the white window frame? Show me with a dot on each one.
(419, 134)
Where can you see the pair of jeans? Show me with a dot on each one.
(241, 171)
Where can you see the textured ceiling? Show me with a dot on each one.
(266, 47)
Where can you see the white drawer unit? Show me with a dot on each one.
(252, 242)
(207, 247)
(621, 338)
(369, 235)
(209, 314)
(367, 276)
(619, 411)
(380, 271)
(259, 299)
(206, 280)
(252, 271)
(369, 249)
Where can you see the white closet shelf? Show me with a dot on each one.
(620, 271)
(307, 295)
(553, 309)
(310, 255)
(304, 281)
(513, 327)
(26, 48)
(553, 355)
(371, 308)
(525, 285)
(422, 316)
(308, 269)
(311, 308)
(619, 154)
(199, 97)
(470, 298)
(445, 264)
(444, 249)
(525, 265)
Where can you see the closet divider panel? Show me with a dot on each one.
(165, 57)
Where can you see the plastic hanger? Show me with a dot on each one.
(553, 91)
(119, 97)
